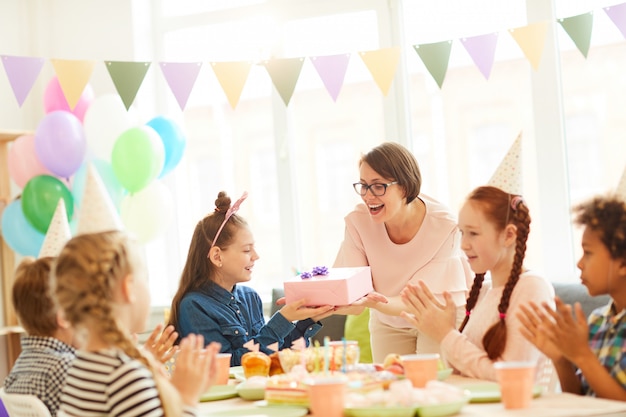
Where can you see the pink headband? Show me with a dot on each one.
(232, 210)
(516, 201)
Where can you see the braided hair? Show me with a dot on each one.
(501, 209)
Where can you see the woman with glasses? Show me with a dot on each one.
(404, 237)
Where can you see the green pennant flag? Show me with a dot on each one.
(436, 57)
(284, 74)
(127, 77)
(579, 29)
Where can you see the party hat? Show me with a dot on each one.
(58, 232)
(97, 212)
(508, 176)
(620, 191)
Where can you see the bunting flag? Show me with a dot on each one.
(617, 14)
(284, 74)
(579, 30)
(22, 72)
(73, 76)
(127, 77)
(382, 64)
(332, 71)
(532, 40)
(482, 50)
(232, 76)
(435, 57)
(181, 77)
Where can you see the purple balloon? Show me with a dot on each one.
(60, 143)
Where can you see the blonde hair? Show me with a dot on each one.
(85, 277)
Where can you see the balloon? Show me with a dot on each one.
(148, 212)
(173, 141)
(18, 233)
(60, 143)
(137, 157)
(105, 120)
(54, 99)
(112, 184)
(40, 198)
(23, 161)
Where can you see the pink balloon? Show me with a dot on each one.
(54, 99)
(24, 163)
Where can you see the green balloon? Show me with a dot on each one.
(40, 198)
(138, 157)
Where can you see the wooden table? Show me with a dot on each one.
(546, 405)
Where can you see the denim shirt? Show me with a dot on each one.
(234, 318)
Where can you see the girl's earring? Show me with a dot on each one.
(220, 265)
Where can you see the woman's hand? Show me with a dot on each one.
(160, 343)
(298, 310)
(196, 368)
(426, 313)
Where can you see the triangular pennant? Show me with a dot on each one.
(251, 345)
(579, 30)
(273, 346)
(617, 14)
(22, 72)
(97, 213)
(435, 57)
(127, 77)
(531, 39)
(73, 77)
(232, 76)
(58, 232)
(332, 71)
(181, 76)
(482, 50)
(284, 74)
(620, 191)
(298, 344)
(508, 175)
(382, 64)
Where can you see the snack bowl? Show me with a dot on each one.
(252, 389)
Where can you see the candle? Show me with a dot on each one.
(326, 353)
(344, 354)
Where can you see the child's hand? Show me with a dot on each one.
(298, 310)
(426, 313)
(196, 368)
(570, 332)
(161, 343)
(536, 324)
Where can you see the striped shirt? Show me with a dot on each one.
(607, 340)
(40, 370)
(110, 383)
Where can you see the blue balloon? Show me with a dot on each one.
(174, 141)
(18, 232)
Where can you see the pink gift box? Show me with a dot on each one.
(340, 287)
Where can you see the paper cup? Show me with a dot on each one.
(327, 397)
(516, 381)
(420, 368)
(223, 368)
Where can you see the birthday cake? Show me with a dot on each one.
(329, 286)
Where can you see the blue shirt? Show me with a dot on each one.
(234, 318)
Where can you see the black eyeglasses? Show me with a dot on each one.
(377, 189)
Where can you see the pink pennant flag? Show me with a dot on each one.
(22, 72)
(617, 13)
(181, 76)
(298, 344)
(251, 345)
(273, 346)
(482, 50)
(332, 71)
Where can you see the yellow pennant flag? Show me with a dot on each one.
(73, 77)
(382, 64)
(232, 76)
(532, 40)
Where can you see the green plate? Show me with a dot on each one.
(219, 392)
(236, 372)
(379, 412)
(444, 373)
(489, 392)
(261, 412)
(441, 410)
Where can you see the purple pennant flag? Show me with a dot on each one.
(22, 72)
(482, 49)
(181, 76)
(617, 13)
(332, 71)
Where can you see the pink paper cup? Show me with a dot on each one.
(327, 397)
(223, 368)
(516, 381)
(420, 368)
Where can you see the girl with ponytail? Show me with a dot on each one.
(494, 227)
(100, 283)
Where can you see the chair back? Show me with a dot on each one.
(22, 405)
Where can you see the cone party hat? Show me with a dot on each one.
(58, 232)
(508, 175)
(97, 212)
